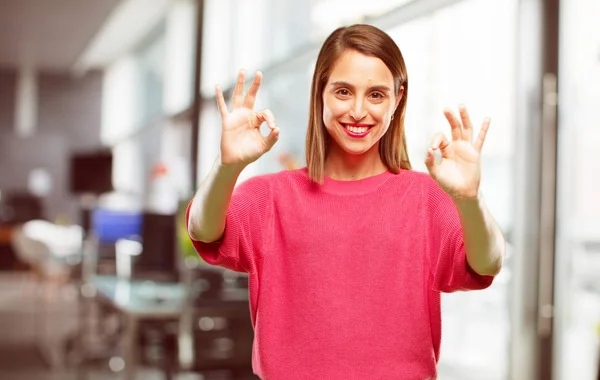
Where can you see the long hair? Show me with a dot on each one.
(370, 41)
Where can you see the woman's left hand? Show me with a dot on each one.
(458, 174)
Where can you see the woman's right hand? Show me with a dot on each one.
(241, 140)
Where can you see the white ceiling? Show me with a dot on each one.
(49, 34)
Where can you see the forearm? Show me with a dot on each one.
(483, 238)
(209, 207)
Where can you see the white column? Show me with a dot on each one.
(26, 111)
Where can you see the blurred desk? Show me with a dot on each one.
(140, 300)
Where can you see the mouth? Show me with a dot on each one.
(357, 130)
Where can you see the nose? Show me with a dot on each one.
(358, 111)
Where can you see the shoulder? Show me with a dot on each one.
(267, 182)
(414, 176)
(271, 179)
(285, 178)
(421, 188)
(434, 198)
(413, 180)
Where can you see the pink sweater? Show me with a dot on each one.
(345, 277)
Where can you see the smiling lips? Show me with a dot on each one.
(357, 130)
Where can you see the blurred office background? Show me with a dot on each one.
(108, 123)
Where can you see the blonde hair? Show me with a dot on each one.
(370, 41)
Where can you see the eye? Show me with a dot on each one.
(377, 95)
(343, 92)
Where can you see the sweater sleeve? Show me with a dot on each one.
(246, 227)
(450, 270)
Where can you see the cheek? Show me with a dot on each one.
(326, 112)
(381, 112)
(333, 108)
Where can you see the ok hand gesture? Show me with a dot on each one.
(458, 174)
(241, 140)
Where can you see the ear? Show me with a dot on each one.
(399, 97)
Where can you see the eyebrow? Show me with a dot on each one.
(346, 84)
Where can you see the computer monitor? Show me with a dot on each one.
(159, 253)
(91, 172)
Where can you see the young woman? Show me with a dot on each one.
(347, 257)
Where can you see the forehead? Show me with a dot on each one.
(357, 68)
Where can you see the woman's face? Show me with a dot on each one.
(358, 101)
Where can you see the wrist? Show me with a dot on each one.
(468, 203)
(227, 168)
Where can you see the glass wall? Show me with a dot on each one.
(145, 91)
(577, 271)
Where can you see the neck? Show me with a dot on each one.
(340, 165)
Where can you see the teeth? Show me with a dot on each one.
(356, 129)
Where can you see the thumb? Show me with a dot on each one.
(432, 166)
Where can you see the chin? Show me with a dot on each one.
(356, 150)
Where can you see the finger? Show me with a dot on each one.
(432, 166)
(221, 102)
(266, 116)
(251, 95)
(440, 141)
(272, 138)
(467, 131)
(454, 124)
(482, 133)
(238, 91)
